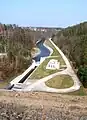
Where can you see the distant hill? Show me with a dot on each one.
(73, 42)
(40, 32)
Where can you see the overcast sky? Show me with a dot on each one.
(51, 13)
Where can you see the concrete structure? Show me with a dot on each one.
(18, 78)
(3, 55)
(39, 85)
(53, 64)
(42, 59)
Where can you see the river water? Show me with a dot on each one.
(44, 51)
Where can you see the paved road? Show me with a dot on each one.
(41, 86)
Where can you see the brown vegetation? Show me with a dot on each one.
(73, 42)
(41, 106)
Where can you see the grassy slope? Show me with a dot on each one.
(55, 51)
(60, 81)
(80, 92)
(41, 71)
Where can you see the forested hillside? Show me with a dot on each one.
(73, 42)
(17, 43)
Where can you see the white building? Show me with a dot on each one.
(3, 54)
(53, 64)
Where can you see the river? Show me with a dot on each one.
(44, 51)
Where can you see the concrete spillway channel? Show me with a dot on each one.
(21, 80)
(17, 82)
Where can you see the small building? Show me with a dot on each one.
(3, 55)
(53, 64)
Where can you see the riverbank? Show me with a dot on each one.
(41, 75)
(33, 65)
(35, 51)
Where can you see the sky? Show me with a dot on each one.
(50, 13)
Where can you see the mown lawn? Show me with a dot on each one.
(55, 51)
(42, 72)
(60, 82)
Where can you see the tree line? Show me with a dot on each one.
(17, 42)
(73, 42)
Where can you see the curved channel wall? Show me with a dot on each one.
(44, 53)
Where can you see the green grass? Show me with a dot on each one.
(41, 71)
(55, 51)
(60, 82)
(80, 92)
